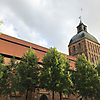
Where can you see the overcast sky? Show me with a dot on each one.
(49, 22)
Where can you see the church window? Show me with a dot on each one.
(89, 56)
(97, 49)
(79, 45)
(74, 48)
(97, 58)
(85, 46)
(90, 46)
(92, 60)
(93, 48)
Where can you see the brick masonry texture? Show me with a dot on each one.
(10, 46)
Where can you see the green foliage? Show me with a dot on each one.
(98, 67)
(7, 79)
(54, 74)
(86, 78)
(1, 22)
(1, 65)
(2, 71)
(97, 96)
(28, 71)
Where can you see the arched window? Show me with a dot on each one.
(73, 48)
(93, 48)
(92, 60)
(79, 45)
(97, 58)
(97, 49)
(88, 45)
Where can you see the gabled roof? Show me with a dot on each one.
(16, 47)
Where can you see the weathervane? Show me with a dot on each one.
(80, 17)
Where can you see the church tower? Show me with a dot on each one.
(83, 42)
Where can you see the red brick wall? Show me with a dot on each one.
(8, 47)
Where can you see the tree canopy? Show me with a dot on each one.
(55, 75)
(85, 78)
(8, 78)
(28, 71)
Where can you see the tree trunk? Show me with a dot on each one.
(60, 95)
(53, 95)
(26, 94)
(6, 97)
(29, 95)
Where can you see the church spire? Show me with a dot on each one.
(81, 26)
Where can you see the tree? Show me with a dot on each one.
(97, 96)
(55, 72)
(7, 79)
(85, 78)
(5, 88)
(28, 71)
(64, 83)
(98, 67)
(2, 70)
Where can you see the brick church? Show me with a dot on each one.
(82, 42)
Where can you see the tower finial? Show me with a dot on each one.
(80, 19)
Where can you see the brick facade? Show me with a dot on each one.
(10, 46)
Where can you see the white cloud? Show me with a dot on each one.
(49, 22)
(9, 30)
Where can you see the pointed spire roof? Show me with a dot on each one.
(80, 21)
